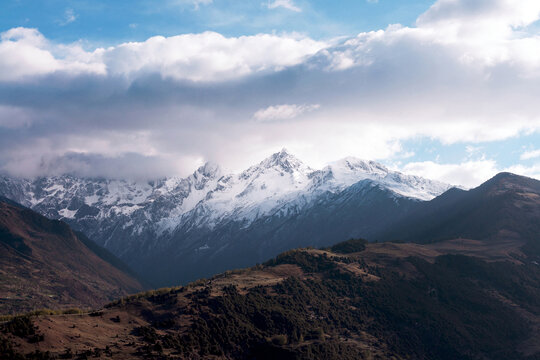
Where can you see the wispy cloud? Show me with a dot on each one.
(286, 4)
(198, 3)
(69, 17)
(283, 112)
(532, 154)
(468, 173)
(195, 3)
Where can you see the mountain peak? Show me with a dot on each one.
(506, 181)
(282, 154)
(354, 165)
(284, 151)
(505, 176)
(284, 160)
(209, 169)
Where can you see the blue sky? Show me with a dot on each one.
(110, 22)
(506, 152)
(441, 88)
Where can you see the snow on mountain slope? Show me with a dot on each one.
(120, 213)
(258, 190)
(348, 171)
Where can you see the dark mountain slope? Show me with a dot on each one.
(110, 258)
(384, 301)
(43, 263)
(505, 207)
(362, 210)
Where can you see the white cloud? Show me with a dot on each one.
(209, 56)
(468, 72)
(487, 33)
(482, 14)
(22, 53)
(530, 171)
(532, 154)
(196, 57)
(283, 112)
(26, 53)
(286, 4)
(468, 174)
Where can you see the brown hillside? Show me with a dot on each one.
(384, 301)
(43, 264)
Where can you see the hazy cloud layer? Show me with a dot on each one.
(468, 173)
(469, 71)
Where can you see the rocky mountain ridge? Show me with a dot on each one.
(138, 221)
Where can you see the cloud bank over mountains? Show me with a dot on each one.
(207, 57)
(468, 71)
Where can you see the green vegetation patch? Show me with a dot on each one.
(309, 262)
(23, 327)
(349, 246)
(446, 312)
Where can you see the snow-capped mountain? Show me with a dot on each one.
(207, 213)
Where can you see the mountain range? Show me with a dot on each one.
(455, 277)
(468, 287)
(175, 230)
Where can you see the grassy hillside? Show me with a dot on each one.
(385, 301)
